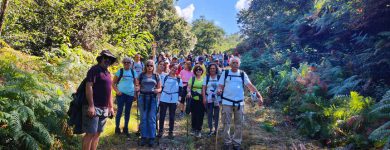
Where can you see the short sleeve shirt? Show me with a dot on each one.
(170, 93)
(233, 89)
(211, 88)
(197, 87)
(138, 66)
(148, 84)
(126, 84)
(101, 88)
(186, 76)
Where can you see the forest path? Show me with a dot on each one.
(264, 128)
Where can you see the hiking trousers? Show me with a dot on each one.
(197, 114)
(163, 111)
(123, 101)
(212, 115)
(227, 113)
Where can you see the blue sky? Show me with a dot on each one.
(222, 12)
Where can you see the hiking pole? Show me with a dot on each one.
(216, 130)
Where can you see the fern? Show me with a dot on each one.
(345, 86)
(382, 132)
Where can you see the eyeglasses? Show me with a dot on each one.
(149, 65)
(198, 70)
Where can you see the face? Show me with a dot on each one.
(198, 71)
(150, 67)
(234, 64)
(137, 57)
(173, 70)
(213, 69)
(174, 60)
(188, 65)
(106, 61)
(161, 66)
(126, 64)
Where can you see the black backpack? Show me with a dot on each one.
(75, 108)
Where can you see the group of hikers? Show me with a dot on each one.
(197, 85)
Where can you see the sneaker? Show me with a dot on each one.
(198, 134)
(117, 131)
(193, 133)
(211, 133)
(170, 135)
(143, 142)
(151, 142)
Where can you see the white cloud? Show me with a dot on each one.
(243, 4)
(186, 13)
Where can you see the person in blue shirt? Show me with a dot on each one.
(170, 95)
(123, 84)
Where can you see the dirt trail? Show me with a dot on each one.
(264, 128)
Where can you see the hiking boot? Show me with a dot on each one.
(117, 131)
(236, 147)
(170, 135)
(151, 142)
(143, 142)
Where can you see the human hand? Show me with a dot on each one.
(91, 111)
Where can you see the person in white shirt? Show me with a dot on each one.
(171, 87)
(231, 88)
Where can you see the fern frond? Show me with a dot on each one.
(381, 132)
(28, 142)
(41, 134)
(25, 113)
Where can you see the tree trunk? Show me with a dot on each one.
(2, 14)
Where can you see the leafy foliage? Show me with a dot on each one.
(382, 132)
(207, 35)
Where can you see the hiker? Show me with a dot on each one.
(174, 62)
(98, 105)
(210, 98)
(123, 84)
(138, 65)
(148, 85)
(194, 90)
(185, 75)
(231, 89)
(171, 87)
(201, 63)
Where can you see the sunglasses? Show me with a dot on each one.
(149, 65)
(198, 70)
(126, 62)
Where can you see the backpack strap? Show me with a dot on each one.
(120, 75)
(192, 83)
(242, 79)
(165, 79)
(132, 72)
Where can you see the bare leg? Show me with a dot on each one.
(95, 141)
(87, 141)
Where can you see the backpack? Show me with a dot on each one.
(141, 77)
(75, 108)
(224, 82)
(121, 74)
(165, 79)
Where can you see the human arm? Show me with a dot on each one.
(114, 85)
(89, 96)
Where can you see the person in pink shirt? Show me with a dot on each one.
(185, 75)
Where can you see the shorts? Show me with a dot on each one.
(95, 124)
